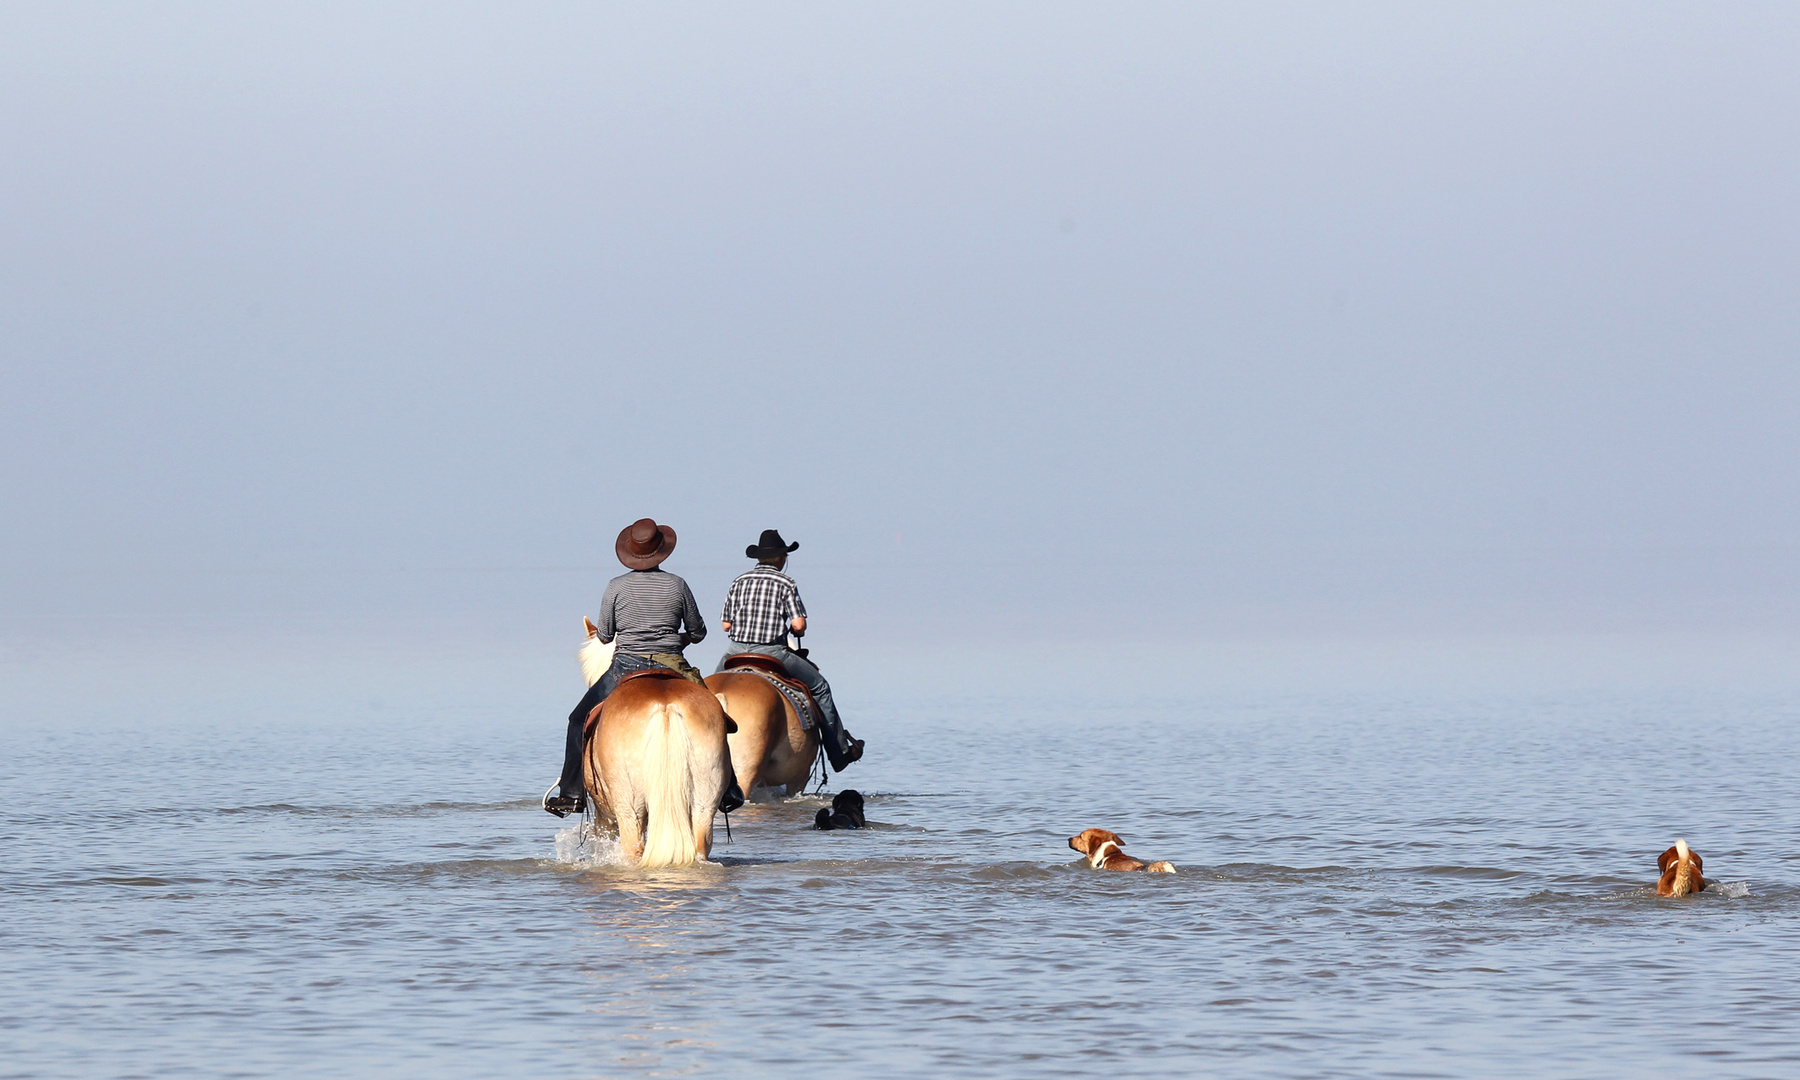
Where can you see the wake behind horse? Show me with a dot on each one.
(655, 767)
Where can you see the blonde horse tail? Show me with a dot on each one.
(668, 789)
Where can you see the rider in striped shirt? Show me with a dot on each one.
(651, 617)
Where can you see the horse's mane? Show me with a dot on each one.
(595, 659)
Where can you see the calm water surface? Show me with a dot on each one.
(1369, 885)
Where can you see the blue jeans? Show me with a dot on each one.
(805, 671)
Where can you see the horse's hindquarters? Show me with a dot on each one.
(657, 764)
(770, 748)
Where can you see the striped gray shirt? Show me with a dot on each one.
(646, 610)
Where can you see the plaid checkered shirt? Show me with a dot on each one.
(760, 605)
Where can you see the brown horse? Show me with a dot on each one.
(655, 762)
(770, 747)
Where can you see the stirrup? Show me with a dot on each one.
(562, 805)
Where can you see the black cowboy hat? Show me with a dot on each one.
(770, 545)
(643, 543)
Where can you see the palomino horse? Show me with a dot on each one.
(770, 747)
(655, 765)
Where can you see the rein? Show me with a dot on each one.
(818, 760)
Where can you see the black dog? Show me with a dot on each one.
(846, 812)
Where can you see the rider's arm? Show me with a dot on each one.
(690, 614)
(607, 629)
(796, 612)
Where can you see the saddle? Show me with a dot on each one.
(593, 716)
(791, 688)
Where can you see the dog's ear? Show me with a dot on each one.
(1089, 840)
(1698, 865)
(1663, 860)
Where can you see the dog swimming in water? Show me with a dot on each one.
(1105, 851)
(845, 812)
(1680, 866)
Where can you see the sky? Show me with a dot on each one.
(1026, 320)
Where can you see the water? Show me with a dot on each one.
(355, 881)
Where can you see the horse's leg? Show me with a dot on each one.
(750, 767)
(703, 830)
(602, 796)
(707, 775)
(772, 764)
(790, 764)
(804, 744)
(749, 745)
(633, 820)
(623, 803)
(604, 818)
(594, 783)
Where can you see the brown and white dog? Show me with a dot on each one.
(1680, 866)
(1105, 851)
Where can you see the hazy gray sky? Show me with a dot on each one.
(1062, 317)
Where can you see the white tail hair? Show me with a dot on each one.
(668, 781)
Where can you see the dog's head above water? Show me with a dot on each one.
(845, 812)
(1089, 841)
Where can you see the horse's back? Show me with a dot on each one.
(633, 694)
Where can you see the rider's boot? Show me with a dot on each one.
(564, 805)
(571, 790)
(840, 749)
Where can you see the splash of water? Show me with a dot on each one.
(585, 847)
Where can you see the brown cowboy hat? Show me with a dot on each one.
(643, 543)
(770, 545)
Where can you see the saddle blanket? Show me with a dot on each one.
(802, 703)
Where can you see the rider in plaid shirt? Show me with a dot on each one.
(761, 607)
